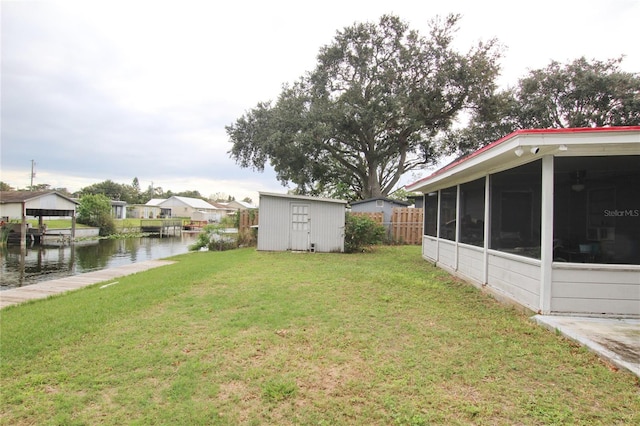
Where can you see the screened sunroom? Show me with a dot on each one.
(549, 219)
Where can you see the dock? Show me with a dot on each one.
(163, 227)
(45, 289)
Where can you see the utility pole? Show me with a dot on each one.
(33, 173)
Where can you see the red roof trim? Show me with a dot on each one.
(526, 132)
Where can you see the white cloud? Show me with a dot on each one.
(121, 89)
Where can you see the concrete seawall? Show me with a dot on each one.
(53, 235)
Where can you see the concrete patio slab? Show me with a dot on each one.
(615, 340)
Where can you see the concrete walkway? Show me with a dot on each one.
(615, 340)
(45, 289)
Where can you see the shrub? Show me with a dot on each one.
(214, 237)
(361, 232)
(95, 210)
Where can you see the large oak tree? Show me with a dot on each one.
(370, 110)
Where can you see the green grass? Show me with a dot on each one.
(244, 337)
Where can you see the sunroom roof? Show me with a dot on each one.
(524, 146)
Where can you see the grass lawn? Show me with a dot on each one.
(245, 337)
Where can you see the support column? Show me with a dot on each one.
(546, 237)
(23, 226)
(41, 228)
(438, 228)
(457, 229)
(487, 227)
(73, 227)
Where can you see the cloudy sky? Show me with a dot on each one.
(97, 90)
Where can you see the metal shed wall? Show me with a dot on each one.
(326, 223)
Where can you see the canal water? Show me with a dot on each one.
(48, 262)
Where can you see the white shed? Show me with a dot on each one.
(299, 223)
(548, 218)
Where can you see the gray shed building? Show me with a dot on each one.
(378, 205)
(299, 223)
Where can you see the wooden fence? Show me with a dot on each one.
(247, 219)
(377, 217)
(406, 225)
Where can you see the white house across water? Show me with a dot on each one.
(299, 223)
(549, 219)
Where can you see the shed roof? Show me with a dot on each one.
(390, 200)
(302, 197)
(501, 154)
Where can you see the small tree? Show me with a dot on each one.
(5, 186)
(95, 210)
(360, 232)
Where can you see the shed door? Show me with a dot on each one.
(300, 227)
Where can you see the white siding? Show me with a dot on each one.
(517, 277)
(581, 289)
(447, 254)
(601, 290)
(430, 248)
(12, 211)
(51, 202)
(471, 262)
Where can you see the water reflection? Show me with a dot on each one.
(47, 262)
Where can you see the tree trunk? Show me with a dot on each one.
(373, 185)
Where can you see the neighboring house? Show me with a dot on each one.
(225, 209)
(119, 209)
(378, 205)
(160, 213)
(299, 223)
(549, 219)
(193, 208)
(144, 211)
(230, 208)
(18, 205)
